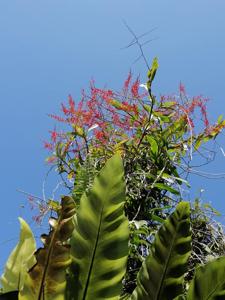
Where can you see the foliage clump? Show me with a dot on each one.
(158, 139)
(84, 255)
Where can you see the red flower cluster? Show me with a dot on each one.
(104, 118)
(193, 104)
(185, 107)
(110, 118)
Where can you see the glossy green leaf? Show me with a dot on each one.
(209, 281)
(162, 273)
(157, 219)
(163, 186)
(153, 144)
(99, 245)
(46, 280)
(20, 260)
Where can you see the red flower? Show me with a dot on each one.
(51, 159)
(57, 118)
(71, 104)
(48, 146)
(135, 88)
(54, 136)
(127, 83)
(182, 89)
(65, 110)
(99, 134)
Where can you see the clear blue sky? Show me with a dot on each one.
(51, 48)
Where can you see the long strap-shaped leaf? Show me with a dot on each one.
(20, 260)
(100, 239)
(209, 281)
(46, 279)
(161, 275)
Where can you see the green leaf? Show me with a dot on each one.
(20, 260)
(212, 209)
(220, 118)
(198, 143)
(161, 208)
(181, 180)
(147, 108)
(157, 218)
(78, 130)
(209, 281)
(53, 205)
(153, 145)
(46, 280)
(168, 104)
(174, 178)
(99, 245)
(163, 186)
(162, 117)
(162, 273)
(152, 72)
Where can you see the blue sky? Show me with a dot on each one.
(50, 49)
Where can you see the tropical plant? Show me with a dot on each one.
(158, 138)
(95, 265)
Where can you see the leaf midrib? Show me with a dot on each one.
(93, 256)
(166, 265)
(49, 253)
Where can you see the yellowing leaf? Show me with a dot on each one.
(46, 280)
